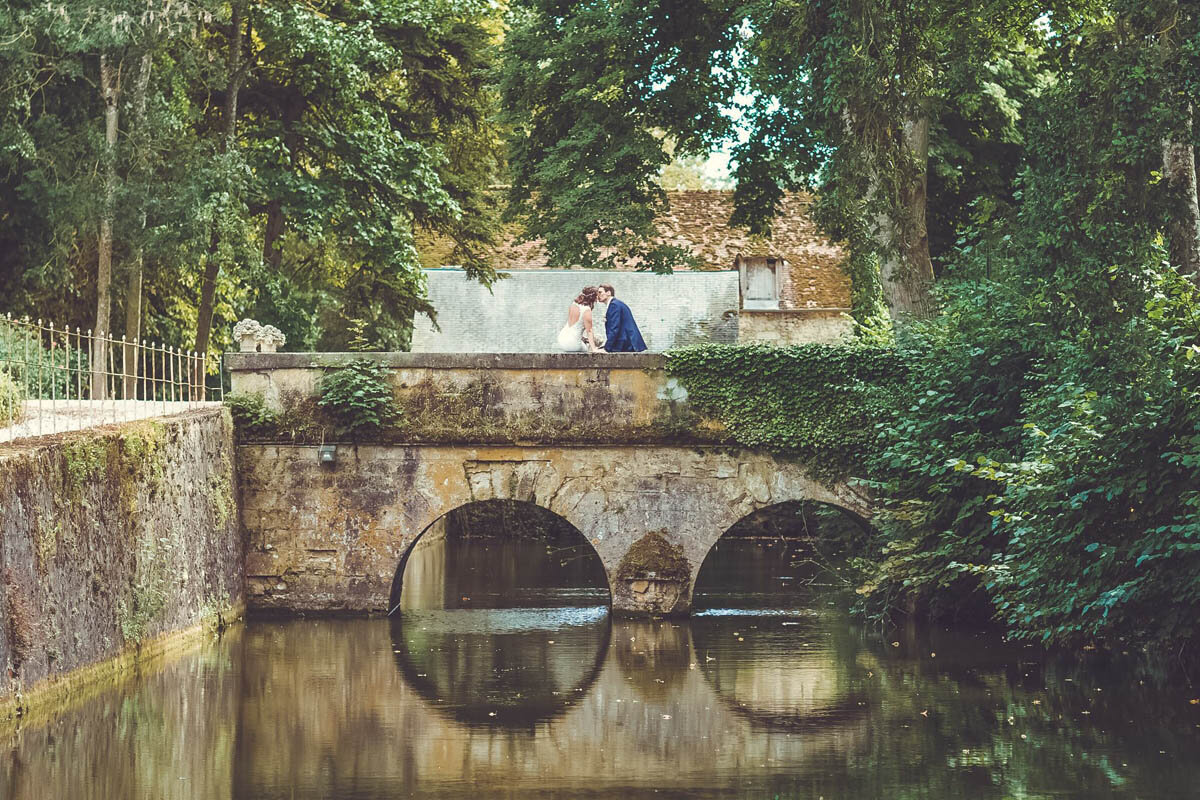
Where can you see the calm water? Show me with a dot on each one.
(560, 701)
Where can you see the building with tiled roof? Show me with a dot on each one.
(791, 288)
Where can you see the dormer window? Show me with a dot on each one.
(760, 282)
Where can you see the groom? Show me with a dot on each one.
(622, 332)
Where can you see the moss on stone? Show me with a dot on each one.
(654, 556)
(84, 460)
(47, 531)
(220, 490)
(472, 412)
(20, 620)
(142, 461)
(146, 595)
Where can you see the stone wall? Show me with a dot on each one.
(524, 312)
(111, 540)
(823, 326)
(500, 397)
(330, 537)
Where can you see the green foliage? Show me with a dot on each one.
(84, 460)
(146, 595)
(359, 397)
(806, 94)
(39, 370)
(357, 124)
(816, 402)
(588, 90)
(1041, 465)
(250, 414)
(12, 400)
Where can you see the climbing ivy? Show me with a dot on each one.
(815, 402)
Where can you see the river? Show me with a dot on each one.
(545, 696)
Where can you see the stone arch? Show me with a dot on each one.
(413, 542)
(763, 482)
(851, 515)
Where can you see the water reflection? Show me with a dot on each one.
(502, 668)
(718, 706)
(792, 672)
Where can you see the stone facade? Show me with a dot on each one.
(698, 221)
(795, 327)
(524, 312)
(113, 539)
(331, 538)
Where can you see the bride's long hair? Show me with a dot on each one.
(587, 297)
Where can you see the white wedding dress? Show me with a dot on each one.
(570, 338)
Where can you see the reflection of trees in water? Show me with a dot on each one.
(500, 554)
(506, 669)
(170, 733)
(785, 555)
(317, 708)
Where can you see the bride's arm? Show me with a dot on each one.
(587, 331)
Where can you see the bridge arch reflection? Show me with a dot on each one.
(500, 614)
(501, 668)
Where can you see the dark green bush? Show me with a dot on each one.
(11, 400)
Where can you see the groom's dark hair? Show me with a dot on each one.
(608, 288)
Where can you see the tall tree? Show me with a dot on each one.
(839, 95)
(110, 93)
(361, 124)
(236, 66)
(1177, 27)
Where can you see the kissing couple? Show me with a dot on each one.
(621, 332)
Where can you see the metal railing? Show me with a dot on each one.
(55, 379)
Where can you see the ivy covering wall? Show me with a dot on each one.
(818, 403)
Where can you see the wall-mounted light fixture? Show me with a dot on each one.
(327, 454)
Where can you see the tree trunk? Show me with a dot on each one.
(133, 292)
(110, 90)
(272, 255)
(906, 269)
(1183, 225)
(212, 267)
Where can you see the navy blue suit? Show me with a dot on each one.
(622, 332)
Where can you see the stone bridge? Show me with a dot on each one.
(596, 440)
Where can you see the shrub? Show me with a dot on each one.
(11, 400)
(250, 414)
(359, 397)
(814, 402)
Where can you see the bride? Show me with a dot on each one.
(576, 336)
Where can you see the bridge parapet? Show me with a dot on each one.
(501, 397)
